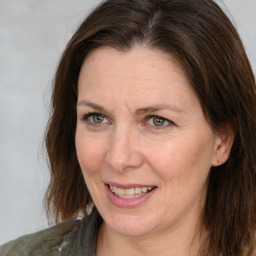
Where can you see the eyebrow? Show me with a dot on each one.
(92, 105)
(140, 111)
(154, 108)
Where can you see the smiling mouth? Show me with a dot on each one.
(130, 192)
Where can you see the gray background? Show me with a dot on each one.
(33, 34)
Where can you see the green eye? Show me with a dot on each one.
(97, 119)
(158, 121)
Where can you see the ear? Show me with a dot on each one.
(224, 140)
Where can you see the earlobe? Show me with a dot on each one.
(224, 141)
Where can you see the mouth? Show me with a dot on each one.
(132, 192)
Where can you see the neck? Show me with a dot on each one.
(171, 243)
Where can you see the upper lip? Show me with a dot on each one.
(130, 185)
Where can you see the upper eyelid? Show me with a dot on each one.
(158, 116)
(92, 113)
(150, 116)
(170, 122)
(147, 117)
(86, 116)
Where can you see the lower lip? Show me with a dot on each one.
(129, 202)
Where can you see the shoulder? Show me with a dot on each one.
(45, 242)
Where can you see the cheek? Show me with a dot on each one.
(90, 152)
(183, 168)
(188, 159)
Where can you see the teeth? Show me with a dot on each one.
(144, 189)
(119, 191)
(137, 190)
(130, 192)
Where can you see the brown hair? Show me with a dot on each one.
(201, 37)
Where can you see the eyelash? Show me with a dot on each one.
(147, 119)
(170, 123)
(87, 116)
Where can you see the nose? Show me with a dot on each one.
(124, 152)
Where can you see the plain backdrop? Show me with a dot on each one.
(33, 33)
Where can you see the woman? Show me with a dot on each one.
(152, 136)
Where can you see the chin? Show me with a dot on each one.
(131, 231)
(131, 226)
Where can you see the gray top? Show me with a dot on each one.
(75, 237)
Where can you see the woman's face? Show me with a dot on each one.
(143, 144)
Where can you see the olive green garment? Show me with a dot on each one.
(71, 238)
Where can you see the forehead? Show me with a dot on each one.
(140, 62)
(141, 75)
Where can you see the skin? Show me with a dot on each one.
(127, 145)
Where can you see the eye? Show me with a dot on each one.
(95, 119)
(159, 122)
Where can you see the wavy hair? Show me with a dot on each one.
(206, 44)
